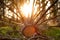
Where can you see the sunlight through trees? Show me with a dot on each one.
(30, 16)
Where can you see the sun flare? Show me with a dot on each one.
(27, 8)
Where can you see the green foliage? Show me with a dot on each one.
(53, 32)
(4, 31)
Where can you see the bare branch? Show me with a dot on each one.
(45, 12)
(18, 11)
(39, 12)
(49, 19)
(12, 10)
